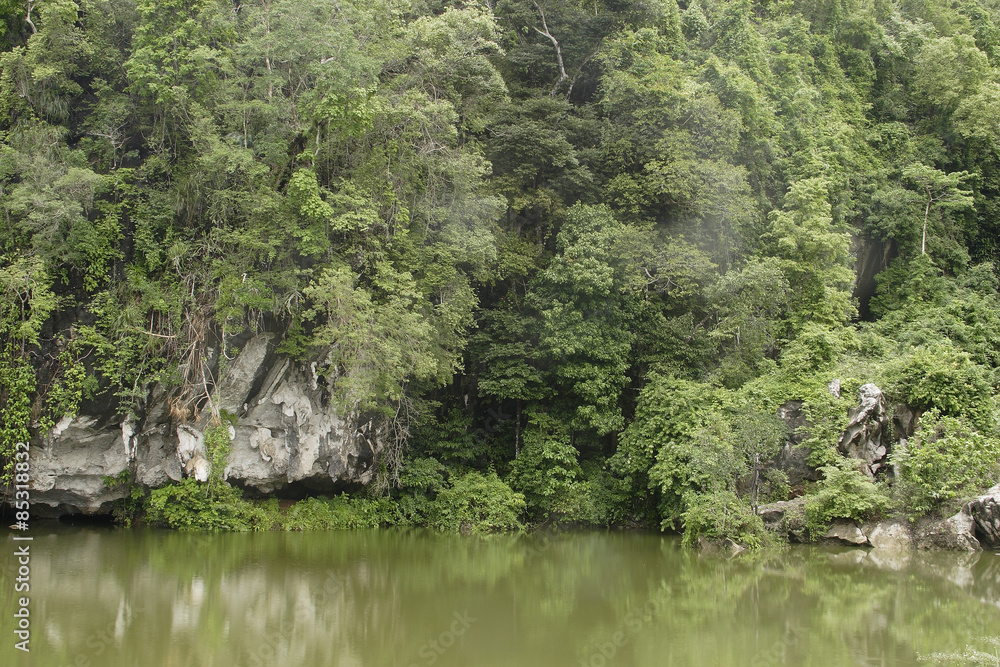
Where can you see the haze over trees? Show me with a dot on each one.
(630, 229)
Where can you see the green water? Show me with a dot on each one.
(394, 598)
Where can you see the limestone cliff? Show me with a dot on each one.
(286, 438)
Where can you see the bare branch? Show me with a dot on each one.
(555, 42)
(27, 19)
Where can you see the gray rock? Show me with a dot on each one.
(787, 518)
(956, 533)
(286, 432)
(890, 536)
(844, 531)
(985, 511)
(69, 466)
(834, 388)
(867, 436)
(793, 459)
(245, 373)
(290, 434)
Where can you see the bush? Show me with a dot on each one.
(844, 493)
(548, 474)
(944, 459)
(338, 513)
(420, 480)
(940, 376)
(477, 503)
(188, 506)
(723, 515)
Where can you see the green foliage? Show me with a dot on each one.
(127, 508)
(945, 459)
(632, 219)
(549, 475)
(477, 503)
(843, 493)
(218, 446)
(420, 480)
(187, 505)
(814, 255)
(17, 386)
(939, 376)
(720, 516)
(584, 319)
(655, 451)
(338, 513)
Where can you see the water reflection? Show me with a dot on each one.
(404, 598)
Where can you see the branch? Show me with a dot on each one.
(27, 18)
(559, 59)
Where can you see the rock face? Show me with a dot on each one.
(787, 517)
(793, 459)
(867, 436)
(68, 467)
(974, 527)
(845, 531)
(286, 435)
(955, 533)
(890, 536)
(985, 511)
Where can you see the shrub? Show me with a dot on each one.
(477, 503)
(548, 474)
(338, 513)
(940, 376)
(420, 480)
(723, 515)
(187, 505)
(943, 460)
(844, 493)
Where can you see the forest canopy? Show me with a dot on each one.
(586, 249)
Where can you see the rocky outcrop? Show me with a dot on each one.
(286, 438)
(956, 533)
(867, 436)
(846, 532)
(793, 459)
(985, 511)
(890, 536)
(974, 527)
(68, 468)
(787, 518)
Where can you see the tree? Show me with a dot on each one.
(814, 255)
(583, 317)
(939, 188)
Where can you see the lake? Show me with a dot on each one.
(146, 598)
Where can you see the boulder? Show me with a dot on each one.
(793, 459)
(974, 527)
(985, 511)
(956, 533)
(845, 531)
(867, 436)
(787, 518)
(890, 536)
